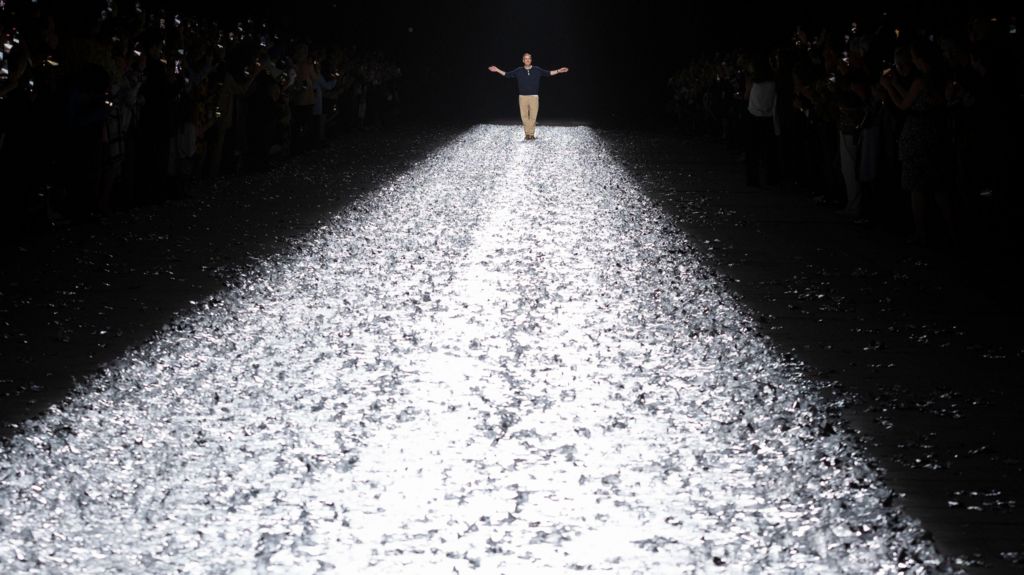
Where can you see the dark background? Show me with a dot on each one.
(620, 53)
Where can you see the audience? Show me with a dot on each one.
(909, 128)
(124, 107)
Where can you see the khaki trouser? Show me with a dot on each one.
(528, 106)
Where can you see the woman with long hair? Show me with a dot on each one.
(923, 141)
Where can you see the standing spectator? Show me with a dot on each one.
(302, 99)
(761, 152)
(852, 114)
(320, 88)
(154, 122)
(181, 160)
(264, 114)
(85, 146)
(222, 140)
(922, 140)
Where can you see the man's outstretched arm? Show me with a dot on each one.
(561, 70)
(497, 70)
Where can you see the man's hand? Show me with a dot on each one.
(562, 70)
(496, 70)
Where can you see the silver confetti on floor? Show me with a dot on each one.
(504, 360)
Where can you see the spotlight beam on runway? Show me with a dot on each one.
(507, 359)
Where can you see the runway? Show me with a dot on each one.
(506, 359)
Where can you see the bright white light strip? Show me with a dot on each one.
(503, 359)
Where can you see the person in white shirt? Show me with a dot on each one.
(761, 146)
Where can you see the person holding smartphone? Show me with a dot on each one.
(923, 149)
(527, 79)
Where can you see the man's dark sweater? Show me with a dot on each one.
(528, 80)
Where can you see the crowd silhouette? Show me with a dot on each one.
(131, 105)
(891, 123)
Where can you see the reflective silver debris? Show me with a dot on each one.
(506, 359)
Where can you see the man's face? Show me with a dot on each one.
(527, 60)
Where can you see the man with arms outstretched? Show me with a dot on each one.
(528, 79)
